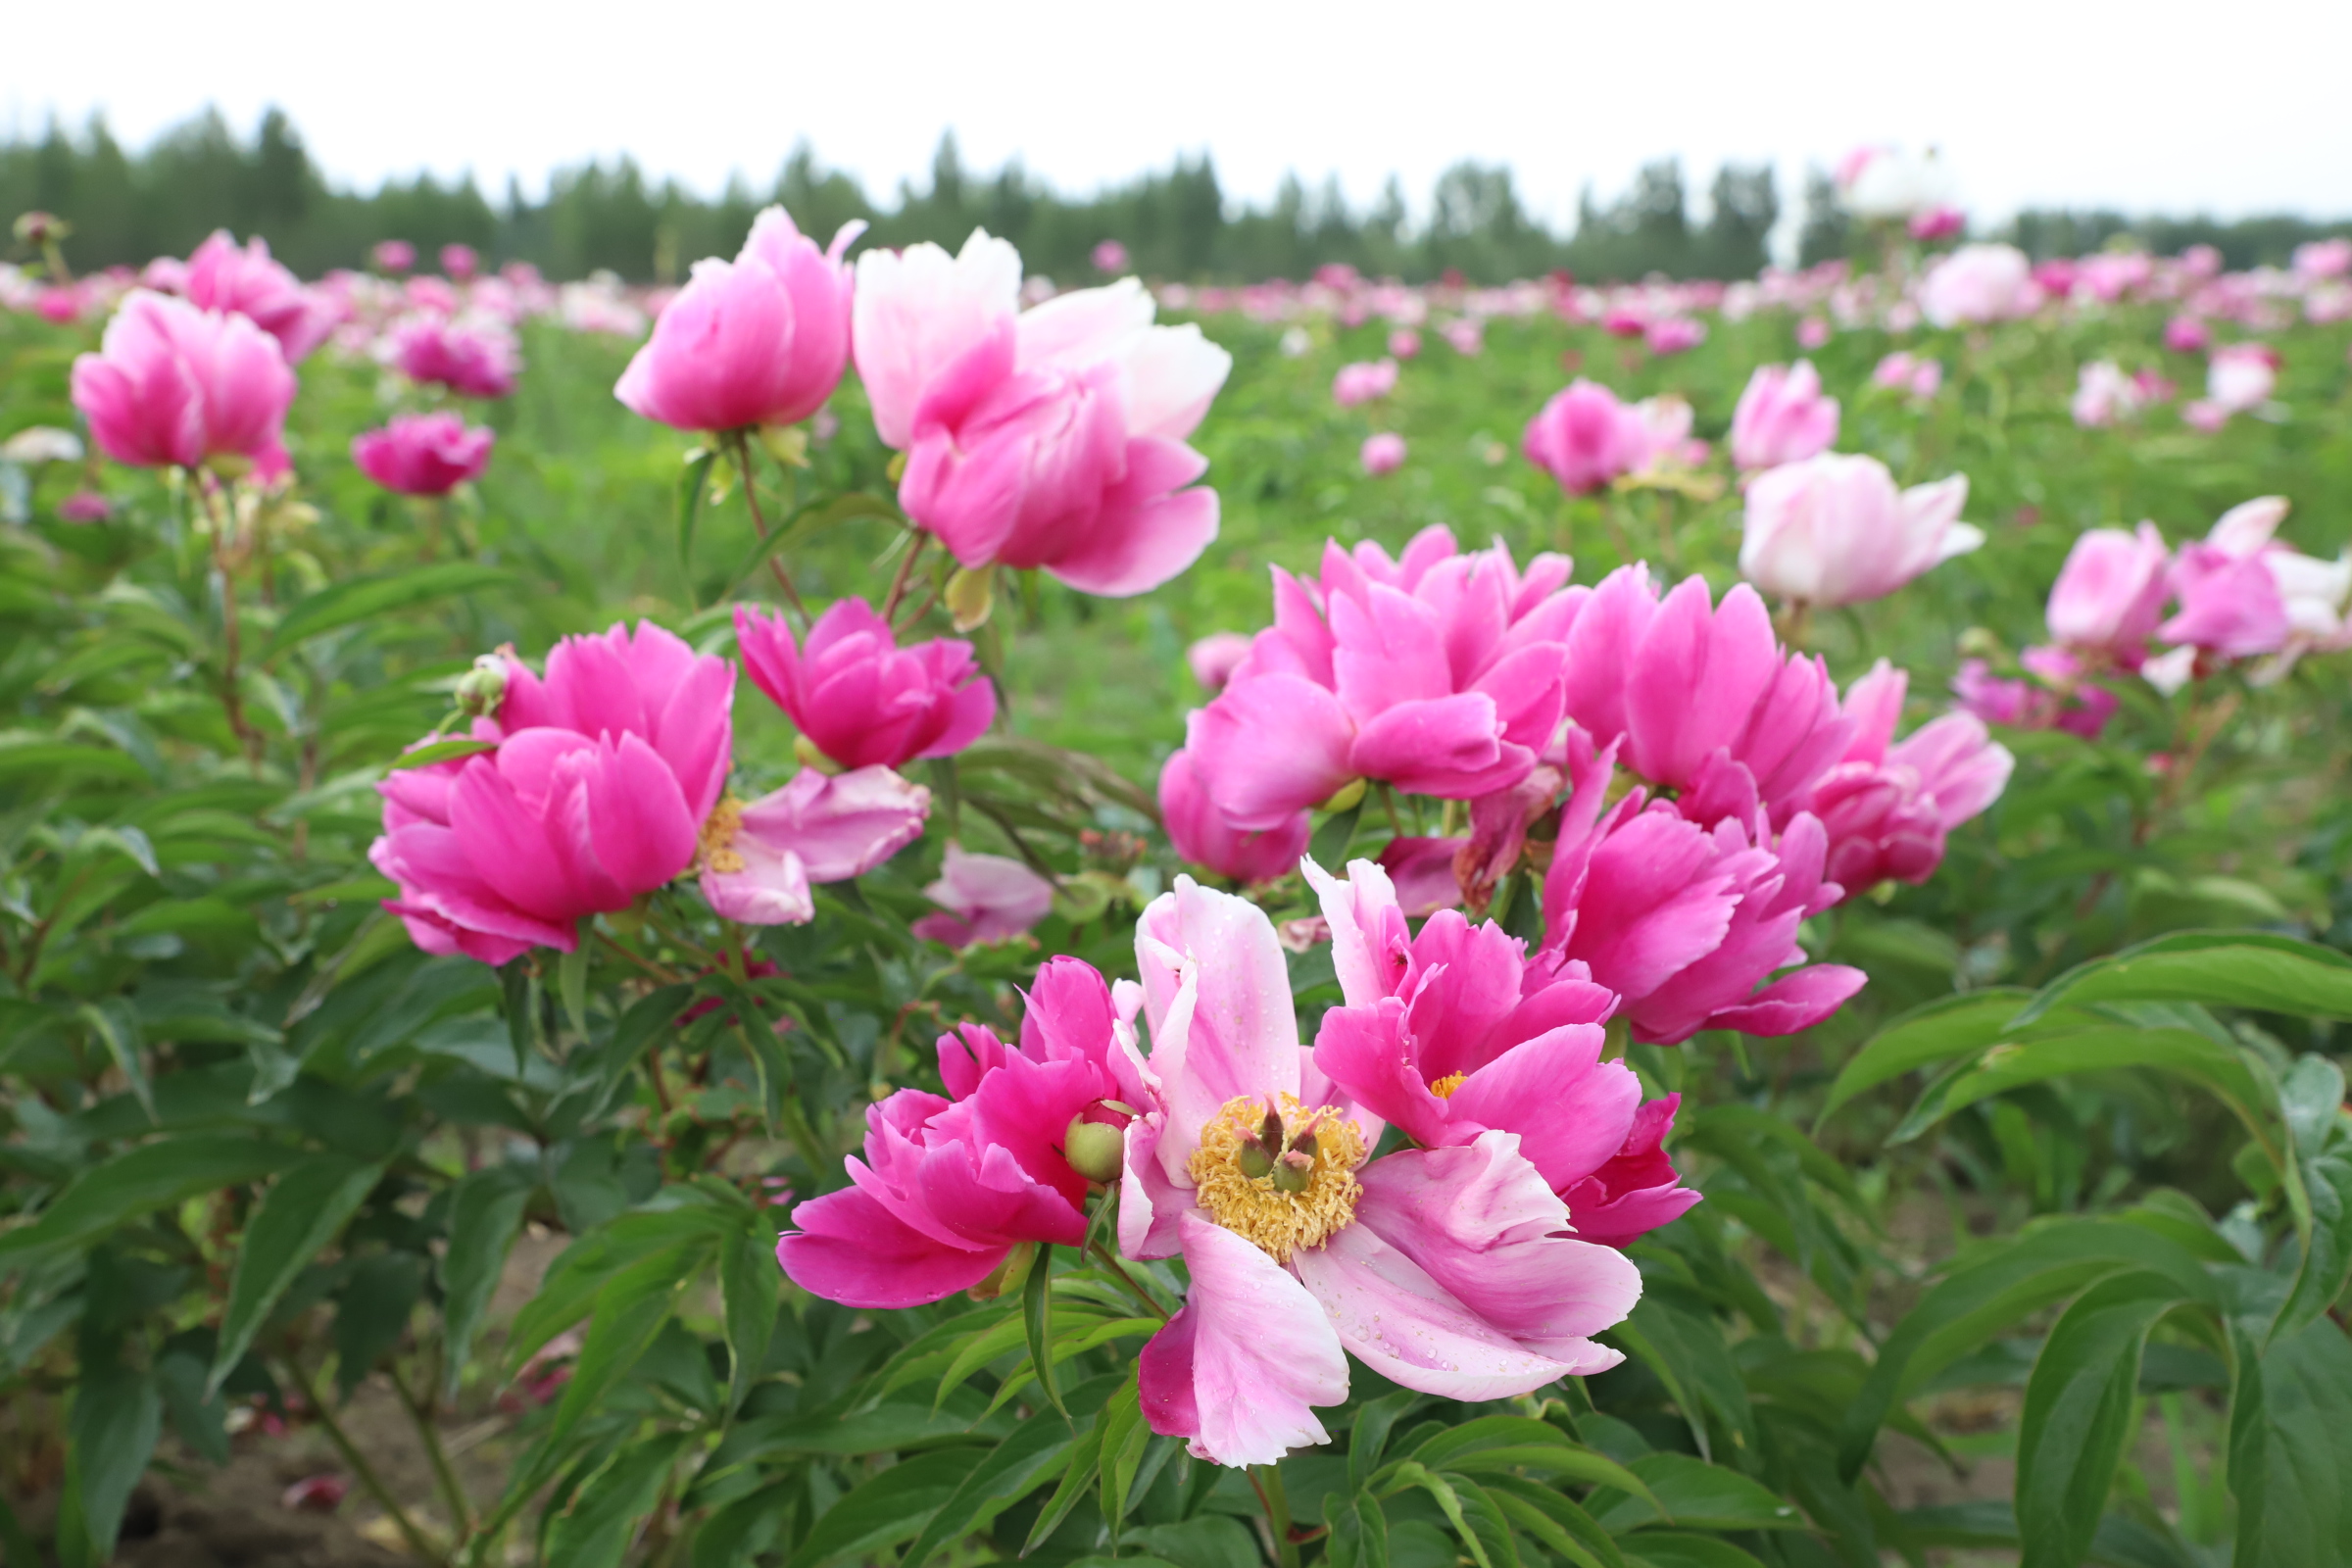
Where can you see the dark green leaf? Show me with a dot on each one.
(485, 1213)
(356, 599)
(1947, 1027)
(1037, 1301)
(139, 1182)
(118, 1415)
(691, 486)
(301, 1213)
(609, 1506)
(1077, 1478)
(887, 1508)
(2103, 1047)
(373, 1312)
(1684, 1490)
(439, 751)
(2218, 968)
(749, 1287)
(1013, 1469)
(2290, 1448)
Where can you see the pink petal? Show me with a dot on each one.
(1262, 1355)
(849, 1249)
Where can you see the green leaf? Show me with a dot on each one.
(201, 1420)
(817, 517)
(302, 1211)
(630, 1313)
(2080, 1405)
(1124, 1434)
(1682, 1490)
(1077, 1478)
(356, 599)
(749, 1287)
(1946, 1027)
(1010, 1472)
(485, 1214)
(2218, 968)
(1373, 1424)
(2290, 1448)
(1689, 1356)
(1667, 1549)
(692, 483)
(2101, 1047)
(118, 1415)
(116, 1025)
(1507, 1443)
(1410, 1473)
(372, 1312)
(439, 751)
(597, 1527)
(1037, 1301)
(139, 1182)
(1558, 1521)
(571, 984)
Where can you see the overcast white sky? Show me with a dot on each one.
(2161, 106)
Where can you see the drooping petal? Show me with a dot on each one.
(1262, 1355)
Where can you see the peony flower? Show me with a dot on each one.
(223, 277)
(1834, 531)
(861, 699)
(760, 859)
(478, 361)
(2057, 699)
(983, 898)
(1439, 673)
(1382, 453)
(1467, 336)
(1673, 334)
(84, 505)
(1052, 438)
(1586, 438)
(172, 386)
(2244, 593)
(2241, 377)
(2110, 593)
(461, 261)
(2103, 394)
(1812, 333)
(759, 340)
(1886, 809)
(1781, 416)
(1363, 383)
(1404, 343)
(2323, 258)
(1979, 284)
(1212, 659)
(1110, 257)
(1937, 223)
(1203, 834)
(393, 256)
(424, 454)
(949, 1186)
(1450, 1271)
(2186, 334)
(602, 777)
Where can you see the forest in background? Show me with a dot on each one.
(127, 206)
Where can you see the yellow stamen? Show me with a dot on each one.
(719, 836)
(1445, 1087)
(1252, 1208)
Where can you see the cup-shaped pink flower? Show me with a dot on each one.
(1051, 438)
(1888, 806)
(1585, 437)
(424, 454)
(461, 261)
(858, 696)
(949, 1186)
(1363, 381)
(1447, 1270)
(2110, 594)
(2186, 334)
(602, 775)
(1673, 334)
(392, 256)
(221, 276)
(2241, 377)
(1213, 659)
(983, 898)
(1979, 284)
(1781, 416)
(759, 340)
(1203, 835)
(1383, 452)
(1439, 673)
(172, 386)
(1834, 531)
(475, 360)
(762, 859)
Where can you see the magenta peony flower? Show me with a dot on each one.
(478, 361)
(424, 454)
(1781, 416)
(1382, 453)
(859, 698)
(461, 261)
(1363, 383)
(1886, 808)
(393, 256)
(172, 386)
(1585, 437)
(1203, 834)
(223, 277)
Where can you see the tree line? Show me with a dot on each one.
(128, 206)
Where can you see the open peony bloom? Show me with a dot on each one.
(1886, 808)
(603, 776)
(983, 898)
(1702, 697)
(858, 696)
(1978, 284)
(2110, 594)
(2242, 376)
(1051, 438)
(1585, 437)
(1452, 1033)
(1203, 835)
(760, 859)
(475, 360)
(220, 277)
(1688, 922)
(1439, 672)
(949, 1186)
(424, 454)
(1781, 416)
(172, 386)
(759, 340)
(2244, 593)
(1834, 531)
(1452, 1271)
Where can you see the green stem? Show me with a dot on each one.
(419, 1542)
(421, 1411)
(1266, 1479)
(742, 445)
(1105, 1256)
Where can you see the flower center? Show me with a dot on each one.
(1445, 1087)
(1279, 1176)
(719, 836)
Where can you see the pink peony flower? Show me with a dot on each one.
(1888, 809)
(759, 340)
(983, 898)
(1586, 438)
(2104, 394)
(478, 361)
(1834, 531)
(2076, 708)
(2110, 594)
(2241, 377)
(1447, 1270)
(1214, 657)
(1382, 453)
(949, 1186)
(461, 261)
(861, 699)
(1439, 673)
(1203, 835)
(1110, 257)
(1978, 284)
(172, 386)
(2186, 334)
(393, 256)
(603, 776)
(424, 454)
(1781, 416)
(1363, 383)
(2323, 258)
(1937, 223)
(760, 859)
(84, 505)
(1812, 333)
(1052, 438)
(1465, 334)
(2244, 593)
(1674, 334)
(223, 277)
(1404, 343)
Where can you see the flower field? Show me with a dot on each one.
(870, 911)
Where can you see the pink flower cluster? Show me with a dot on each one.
(1586, 439)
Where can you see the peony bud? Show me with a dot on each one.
(1095, 1150)
(482, 688)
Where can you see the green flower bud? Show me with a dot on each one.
(1095, 1150)
(482, 688)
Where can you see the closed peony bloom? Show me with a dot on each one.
(1585, 437)
(474, 361)
(1937, 223)
(2186, 334)
(1452, 1271)
(2242, 376)
(1203, 835)
(1382, 453)
(1978, 284)
(1213, 659)
(759, 340)
(949, 1186)
(393, 256)
(859, 698)
(762, 859)
(1440, 674)
(461, 261)
(983, 898)
(603, 776)
(1051, 438)
(1813, 332)
(1110, 257)
(2110, 594)
(1466, 335)
(1834, 531)
(424, 454)
(1781, 416)
(220, 277)
(1363, 383)
(172, 386)
(1886, 808)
